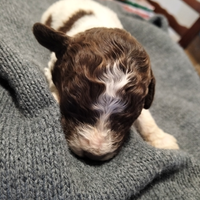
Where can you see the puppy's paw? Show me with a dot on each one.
(52, 87)
(47, 73)
(163, 140)
(48, 76)
(55, 95)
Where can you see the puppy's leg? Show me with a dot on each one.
(147, 127)
(47, 72)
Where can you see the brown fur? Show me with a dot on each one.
(48, 21)
(82, 59)
(75, 17)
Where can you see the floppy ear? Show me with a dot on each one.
(151, 92)
(53, 40)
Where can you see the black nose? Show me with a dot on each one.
(93, 156)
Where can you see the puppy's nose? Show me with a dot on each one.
(95, 157)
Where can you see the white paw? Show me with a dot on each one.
(163, 140)
(52, 61)
(47, 73)
(48, 76)
(52, 87)
(55, 95)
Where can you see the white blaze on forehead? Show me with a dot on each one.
(110, 101)
(98, 139)
(114, 79)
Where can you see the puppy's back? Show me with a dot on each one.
(74, 16)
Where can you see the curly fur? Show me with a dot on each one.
(101, 75)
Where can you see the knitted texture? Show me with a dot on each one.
(35, 162)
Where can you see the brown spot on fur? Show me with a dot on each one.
(48, 21)
(71, 21)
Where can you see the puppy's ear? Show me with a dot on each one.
(151, 92)
(53, 40)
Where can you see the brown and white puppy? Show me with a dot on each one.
(101, 77)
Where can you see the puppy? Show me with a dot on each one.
(101, 77)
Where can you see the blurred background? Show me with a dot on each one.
(183, 17)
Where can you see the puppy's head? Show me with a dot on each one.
(104, 80)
